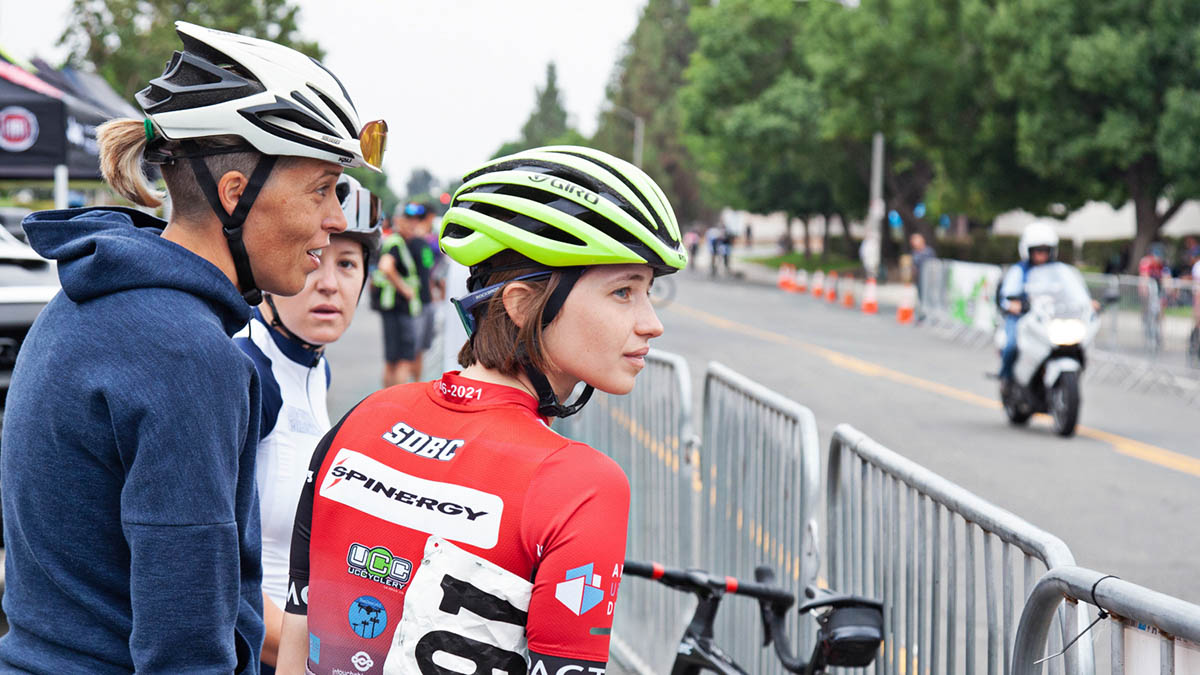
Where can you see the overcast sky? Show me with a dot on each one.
(453, 78)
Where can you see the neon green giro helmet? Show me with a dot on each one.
(563, 206)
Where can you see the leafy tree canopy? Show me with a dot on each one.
(645, 83)
(1106, 98)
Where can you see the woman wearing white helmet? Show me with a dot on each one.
(286, 339)
(132, 523)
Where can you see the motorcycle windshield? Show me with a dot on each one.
(1059, 290)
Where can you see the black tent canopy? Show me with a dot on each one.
(43, 127)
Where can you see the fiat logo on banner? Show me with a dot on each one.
(18, 129)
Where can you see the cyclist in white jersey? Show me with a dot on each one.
(286, 339)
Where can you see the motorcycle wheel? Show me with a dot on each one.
(1064, 403)
(1017, 413)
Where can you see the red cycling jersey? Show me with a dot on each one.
(537, 523)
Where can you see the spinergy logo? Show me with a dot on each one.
(576, 593)
(453, 512)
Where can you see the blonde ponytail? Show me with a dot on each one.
(122, 144)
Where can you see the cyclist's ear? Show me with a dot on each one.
(517, 298)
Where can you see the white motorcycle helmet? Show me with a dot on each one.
(1038, 235)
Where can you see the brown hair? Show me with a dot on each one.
(122, 150)
(498, 341)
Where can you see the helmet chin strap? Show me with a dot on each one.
(232, 222)
(548, 403)
(277, 322)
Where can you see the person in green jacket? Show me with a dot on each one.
(398, 282)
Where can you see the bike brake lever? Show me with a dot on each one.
(763, 574)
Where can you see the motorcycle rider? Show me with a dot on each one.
(1038, 246)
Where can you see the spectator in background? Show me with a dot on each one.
(716, 238)
(691, 240)
(1154, 264)
(921, 254)
(1189, 253)
(420, 217)
(1117, 262)
(398, 282)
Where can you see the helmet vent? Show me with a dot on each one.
(346, 123)
(657, 225)
(524, 192)
(456, 231)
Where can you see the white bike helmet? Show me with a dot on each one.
(1038, 235)
(277, 100)
(363, 216)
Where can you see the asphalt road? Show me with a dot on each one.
(1122, 494)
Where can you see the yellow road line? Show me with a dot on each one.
(1125, 446)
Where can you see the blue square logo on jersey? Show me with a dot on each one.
(581, 591)
(314, 648)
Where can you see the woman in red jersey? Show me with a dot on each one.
(445, 527)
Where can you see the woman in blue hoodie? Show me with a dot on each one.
(127, 469)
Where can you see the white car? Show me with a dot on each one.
(27, 282)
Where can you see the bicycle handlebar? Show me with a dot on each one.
(699, 581)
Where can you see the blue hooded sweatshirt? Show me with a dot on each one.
(131, 518)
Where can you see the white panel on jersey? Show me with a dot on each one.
(450, 511)
(462, 613)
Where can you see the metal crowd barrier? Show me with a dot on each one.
(760, 502)
(1138, 618)
(1146, 317)
(957, 298)
(901, 533)
(650, 434)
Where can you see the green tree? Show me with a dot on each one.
(645, 83)
(129, 41)
(1106, 98)
(549, 119)
(754, 116)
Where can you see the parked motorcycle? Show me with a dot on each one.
(1053, 335)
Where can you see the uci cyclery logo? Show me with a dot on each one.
(379, 565)
(568, 188)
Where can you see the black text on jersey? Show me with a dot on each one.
(422, 444)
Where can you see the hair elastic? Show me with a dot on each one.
(149, 127)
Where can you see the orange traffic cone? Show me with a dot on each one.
(785, 280)
(832, 287)
(848, 294)
(818, 284)
(870, 304)
(905, 313)
(801, 283)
